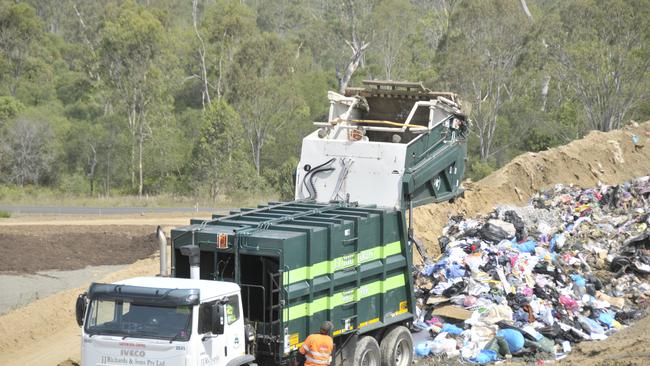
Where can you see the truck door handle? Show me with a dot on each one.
(349, 241)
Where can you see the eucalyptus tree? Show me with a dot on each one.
(130, 53)
(478, 57)
(601, 50)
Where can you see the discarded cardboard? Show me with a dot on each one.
(618, 302)
(433, 300)
(451, 311)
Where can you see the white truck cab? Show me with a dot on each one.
(157, 321)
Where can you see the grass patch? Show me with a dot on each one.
(43, 196)
(5, 215)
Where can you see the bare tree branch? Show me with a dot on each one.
(201, 51)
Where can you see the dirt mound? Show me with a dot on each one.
(73, 247)
(610, 158)
(628, 347)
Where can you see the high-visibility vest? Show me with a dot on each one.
(317, 350)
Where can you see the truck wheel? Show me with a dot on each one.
(397, 347)
(367, 352)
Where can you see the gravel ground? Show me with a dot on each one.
(19, 290)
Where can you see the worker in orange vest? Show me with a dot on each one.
(318, 347)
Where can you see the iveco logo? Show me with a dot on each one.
(132, 352)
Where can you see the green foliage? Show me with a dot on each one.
(5, 214)
(600, 49)
(217, 155)
(21, 32)
(9, 108)
(163, 98)
(75, 185)
(479, 169)
(283, 179)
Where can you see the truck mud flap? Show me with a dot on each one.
(241, 360)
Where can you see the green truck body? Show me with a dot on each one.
(302, 263)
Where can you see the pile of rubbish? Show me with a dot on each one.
(529, 282)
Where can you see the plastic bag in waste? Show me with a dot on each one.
(451, 329)
(455, 289)
(518, 223)
(485, 356)
(579, 280)
(543, 344)
(423, 349)
(497, 230)
(590, 325)
(514, 338)
(499, 345)
(442, 344)
(526, 247)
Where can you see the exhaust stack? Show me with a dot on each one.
(194, 254)
(162, 239)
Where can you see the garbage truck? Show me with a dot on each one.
(248, 287)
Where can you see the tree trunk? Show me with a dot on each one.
(357, 55)
(132, 126)
(140, 172)
(204, 72)
(257, 148)
(358, 48)
(545, 83)
(91, 172)
(107, 185)
(526, 10)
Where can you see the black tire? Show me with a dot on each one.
(397, 347)
(367, 352)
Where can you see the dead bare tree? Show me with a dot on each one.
(356, 44)
(205, 93)
(546, 79)
(28, 153)
(92, 163)
(524, 6)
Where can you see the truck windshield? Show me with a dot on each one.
(122, 318)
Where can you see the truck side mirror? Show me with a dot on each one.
(80, 308)
(218, 318)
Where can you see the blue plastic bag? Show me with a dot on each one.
(513, 337)
(455, 270)
(485, 356)
(422, 349)
(579, 280)
(451, 329)
(606, 318)
(527, 246)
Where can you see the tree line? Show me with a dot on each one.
(212, 97)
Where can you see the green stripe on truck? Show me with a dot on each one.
(346, 261)
(342, 298)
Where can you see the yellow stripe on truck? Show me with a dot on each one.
(346, 261)
(342, 298)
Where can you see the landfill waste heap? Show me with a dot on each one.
(531, 281)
